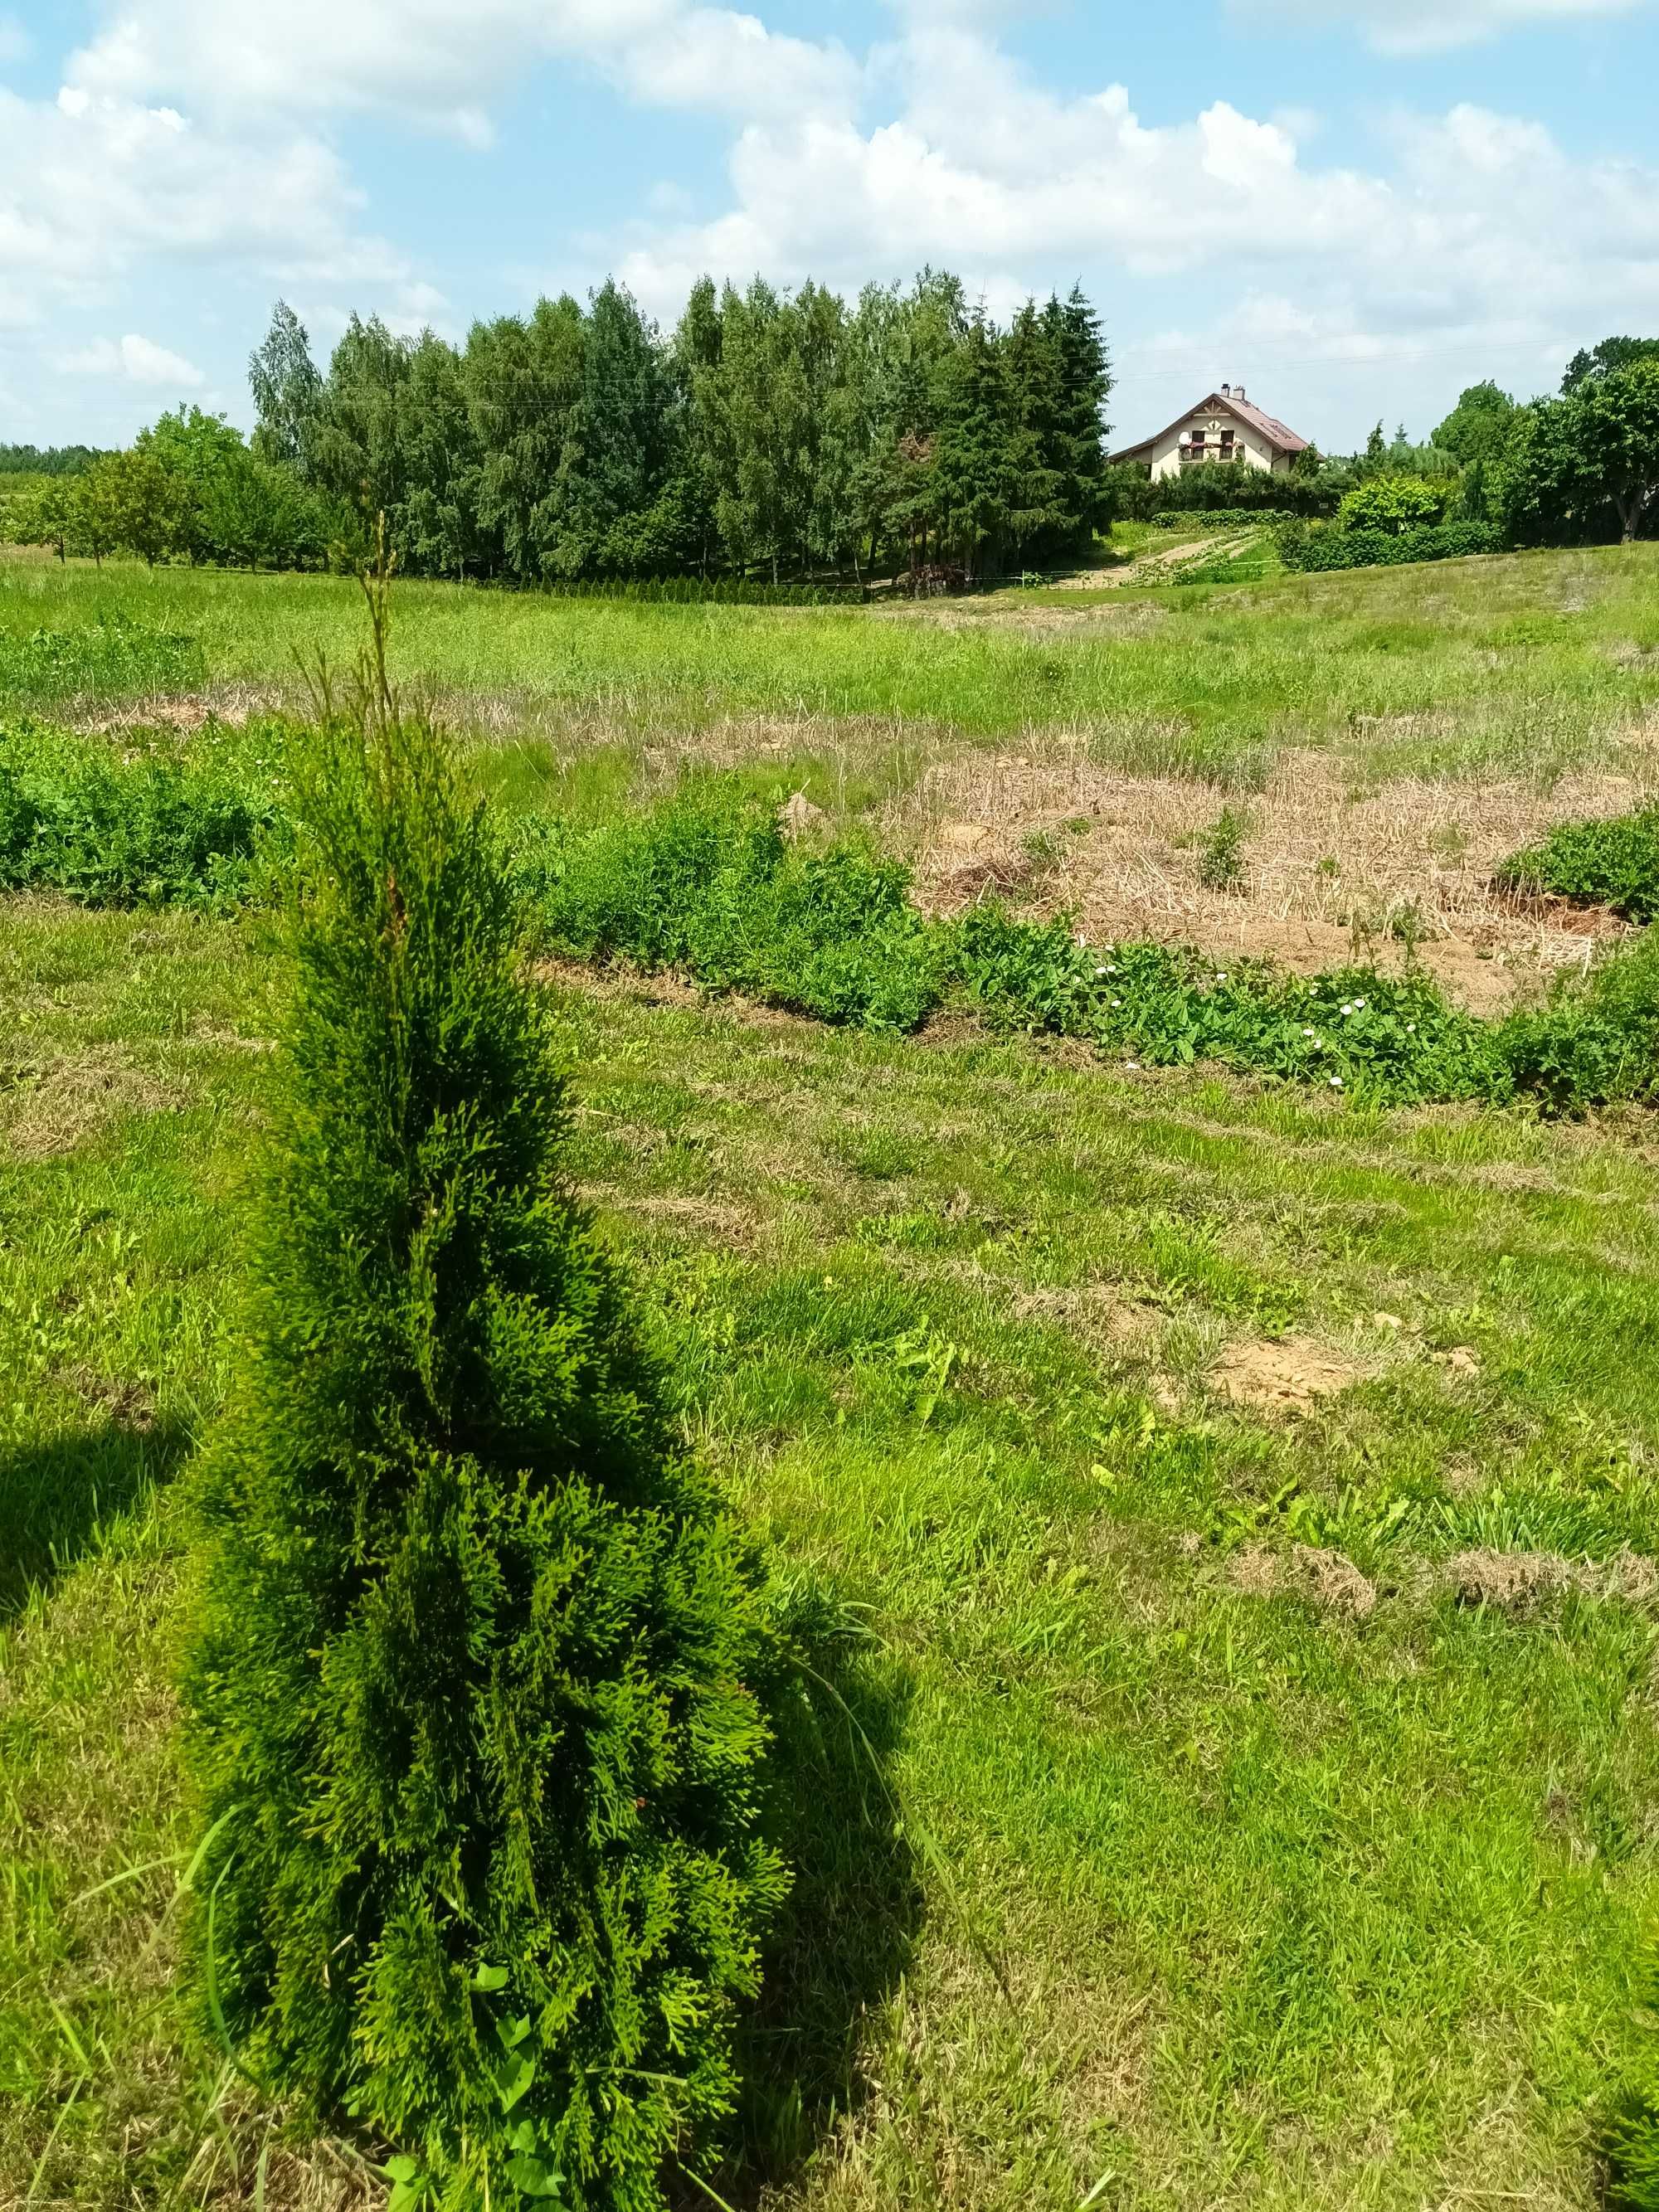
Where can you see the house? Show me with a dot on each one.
(1224, 428)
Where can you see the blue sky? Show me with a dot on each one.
(1354, 207)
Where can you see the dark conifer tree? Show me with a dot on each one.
(617, 451)
(974, 461)
(1085, 385)
(1043, 518)
(465, 1684)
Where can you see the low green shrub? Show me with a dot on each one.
(1396, 504)
(466, 1698)
(717, 891)
(1613, 863)
(112, 658)
(157, 823)
(1311, 550)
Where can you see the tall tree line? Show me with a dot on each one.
(773, 433)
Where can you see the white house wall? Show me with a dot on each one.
(1256, 452)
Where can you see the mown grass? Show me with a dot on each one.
(1535, 662)
(1227, 1894)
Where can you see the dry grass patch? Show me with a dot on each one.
(54, 1108)
(1327, 872)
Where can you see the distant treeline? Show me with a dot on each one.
(47, 460)
(790, 441)
(770, 436)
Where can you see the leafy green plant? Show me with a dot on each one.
(1612, 863)
(159, 826)
(479, 1771)
(120, 657)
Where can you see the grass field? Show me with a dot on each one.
(1250, 1499)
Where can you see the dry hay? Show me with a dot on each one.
(1328, 873)
(1326, 1579)
(1520, 1582)
(52, 1109)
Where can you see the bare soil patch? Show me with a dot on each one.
(1288, 1375)
(1328, 873)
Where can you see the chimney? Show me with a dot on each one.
(1238, 392)
(1226, 391)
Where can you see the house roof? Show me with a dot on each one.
(1278, 434)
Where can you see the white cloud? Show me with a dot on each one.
(1411, 26)
(140, 360)
(91, 183)
(1477, 240)
(440, 65)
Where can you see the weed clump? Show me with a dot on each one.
(465, 1688)
(160, 827)
(1221, 856)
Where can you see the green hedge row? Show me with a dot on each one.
(1318, 550)
(1224, 518)
(711, 591)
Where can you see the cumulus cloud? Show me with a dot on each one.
(1409, 26)
(140, 360)
(437, 64)
(92, 183)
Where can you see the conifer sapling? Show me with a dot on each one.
(466, 1687)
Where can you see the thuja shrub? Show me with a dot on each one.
(465, 1686)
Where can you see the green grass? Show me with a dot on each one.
(1196, 1886)
(1216, 1891)
(1535, 662)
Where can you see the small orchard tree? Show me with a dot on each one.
(1395, 503)
(465, 1689)
(150, 505)
(1614, 433)
(44, 516)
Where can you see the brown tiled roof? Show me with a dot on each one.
(1278, 433)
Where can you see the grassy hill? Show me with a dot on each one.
(1243, 1500)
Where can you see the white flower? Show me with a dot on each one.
(1102, 972)
(1345, 1008)
(1312, 1033)
(1336, 1082)
(1411, 1029)
(1359, 1005)
(1117, 1002)
(1132, 1063)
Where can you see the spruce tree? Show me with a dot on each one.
(975, 469)
(465, 1686)
(1085, 385)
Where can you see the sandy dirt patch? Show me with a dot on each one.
(1286, 1375)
